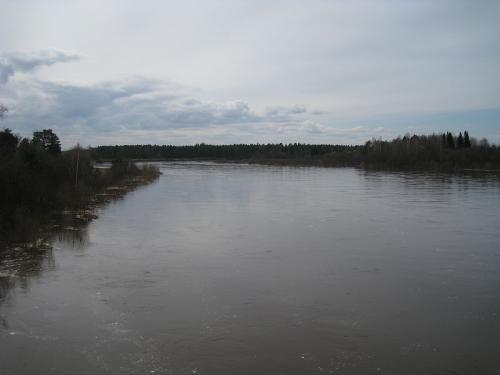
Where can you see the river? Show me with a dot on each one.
(243, 269)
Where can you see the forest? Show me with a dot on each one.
(37, 178)
(436, 151)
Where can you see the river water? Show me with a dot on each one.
(240, 269)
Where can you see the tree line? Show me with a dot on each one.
(435, 151)
(225, 152)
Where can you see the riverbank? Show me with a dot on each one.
(77, 208)
(39, 181)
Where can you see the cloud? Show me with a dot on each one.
(25, 62)
(282, 112)
(377, 63)
(141, 110)
(145, 110)
(138, 105)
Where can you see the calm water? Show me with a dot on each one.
(235, 269)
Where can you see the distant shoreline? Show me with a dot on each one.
(308, 163)
(444, 151)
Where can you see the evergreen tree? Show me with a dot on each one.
(466, 139)
(47, 140)
(460, 140)
(450, 142)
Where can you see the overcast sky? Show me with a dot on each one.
(182, 72)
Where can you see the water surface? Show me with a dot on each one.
(238, 269)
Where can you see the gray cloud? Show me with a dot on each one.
(360, 68)
(348, 59)
(25, 62)
(281, 112)
(147, 111)
(131, 105)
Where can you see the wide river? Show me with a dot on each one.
(240, 269)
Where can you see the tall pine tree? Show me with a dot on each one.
(466, 139)
(450, 142)
(460, 140)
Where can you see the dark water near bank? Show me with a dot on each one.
(235, 269)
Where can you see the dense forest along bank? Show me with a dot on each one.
(40, 185)
(440, 152)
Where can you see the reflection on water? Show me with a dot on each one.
(223, 269)
(23, 263)
(20, 263)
